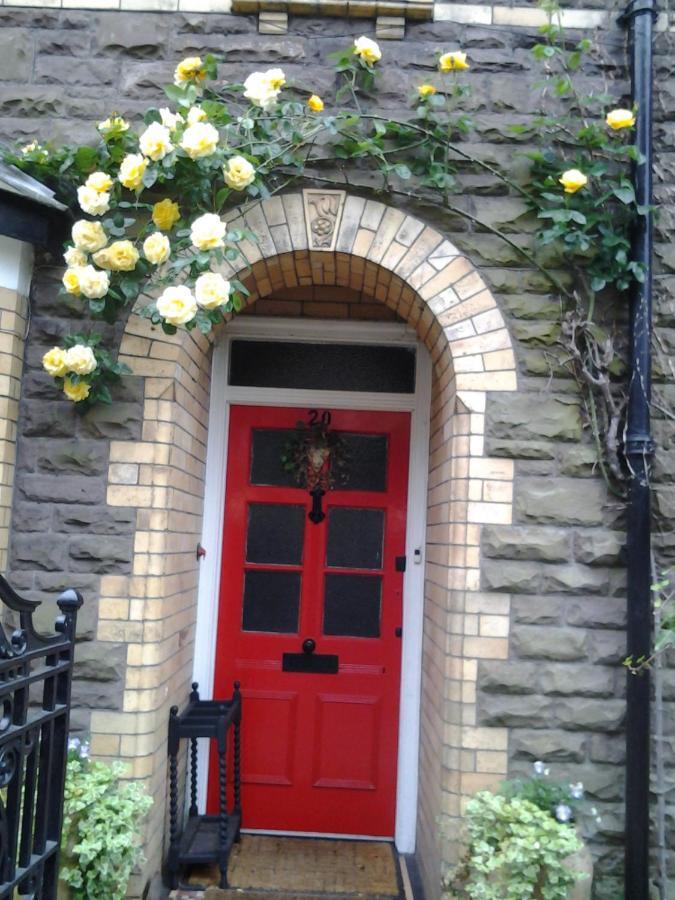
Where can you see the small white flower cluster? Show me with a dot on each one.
(75, 745)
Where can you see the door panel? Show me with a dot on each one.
(320, 732)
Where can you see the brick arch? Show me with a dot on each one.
(325, 238)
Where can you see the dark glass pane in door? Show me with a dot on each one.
(351, 605)
(275, 533)
(267, 448)
(355, 538)
(271, 602)
(366, 468)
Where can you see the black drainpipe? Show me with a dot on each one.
(639, 17)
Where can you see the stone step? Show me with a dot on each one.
(214, 893)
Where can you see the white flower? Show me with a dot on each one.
(207, 232)
(367, 49)
(94, 283)
(577, 790)
(75, 257)
(563, 812)
(88, 236)
(80, 359)
(155, 142)
(539, 767)
(177, 305)
(262, 88)
(156, 248)
(99, 181)
(238, 173)
(74, 743)
(93, 202)
(200, 139)
(195, 114)
(212, 290)
(170, 120)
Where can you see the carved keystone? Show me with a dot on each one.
(323, 211)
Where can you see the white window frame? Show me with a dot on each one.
(418, 404)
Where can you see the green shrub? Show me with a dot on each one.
(99, 842)
(516, 851)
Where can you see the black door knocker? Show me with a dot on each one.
(317, 458)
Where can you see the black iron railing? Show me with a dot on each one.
(35, 679)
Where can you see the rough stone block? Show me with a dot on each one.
(574, 579)
(550, 746)
(89, 553)
(508, 677)
(38, 551)
(79, 457)
(61, 489)
(568, 501)
(121, 422)
(522, 577)
(511, 416)
(542, 642)
(596, 612)
(579, 680)
(95, 519)
(96, 661)
(538, 610)
(505, 447)
(599, 548)
(527, 542)
(16, 59)
(607, 647)
(583, 714)
(533, 711)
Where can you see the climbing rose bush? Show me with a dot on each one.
(154, 234)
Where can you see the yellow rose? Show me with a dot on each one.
(156, 248)
(75, 257)
(71, 280)
(99, 181)
(165, 214)
(89, 236)
(54, 362)
(94, 203)
(155, 142)
(262, 88)
(170, 120)
(120, 256)
(80, 359)
(207, 232)
(30, 148)
(189, 69)
(425, 90)
(200, 139)
(94, 284)
(212, 290)
(453, 60)
(238, 173)
(195, 114)
(315, 103)
(177, 305)
(367, 50)
(620, 118)
(113, 124)
(76, 392)
(572, 180)
(132, 169)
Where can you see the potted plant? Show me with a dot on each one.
(101, 814)
(524, 842)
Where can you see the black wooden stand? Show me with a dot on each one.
(205, 839)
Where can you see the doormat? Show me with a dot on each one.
(304, 867)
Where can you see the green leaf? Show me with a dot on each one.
(152, 115)
(625, 193)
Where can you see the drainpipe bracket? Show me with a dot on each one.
(635, 7)
(639, 445)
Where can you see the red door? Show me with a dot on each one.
(320, 744)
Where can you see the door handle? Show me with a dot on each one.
(308, 645)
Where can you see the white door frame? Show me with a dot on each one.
(418, 404)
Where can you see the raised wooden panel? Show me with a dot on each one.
(269, 749)
(339, 760)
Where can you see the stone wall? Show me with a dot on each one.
(556, 571)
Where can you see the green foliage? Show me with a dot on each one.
(516, 851)
(102, 816)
